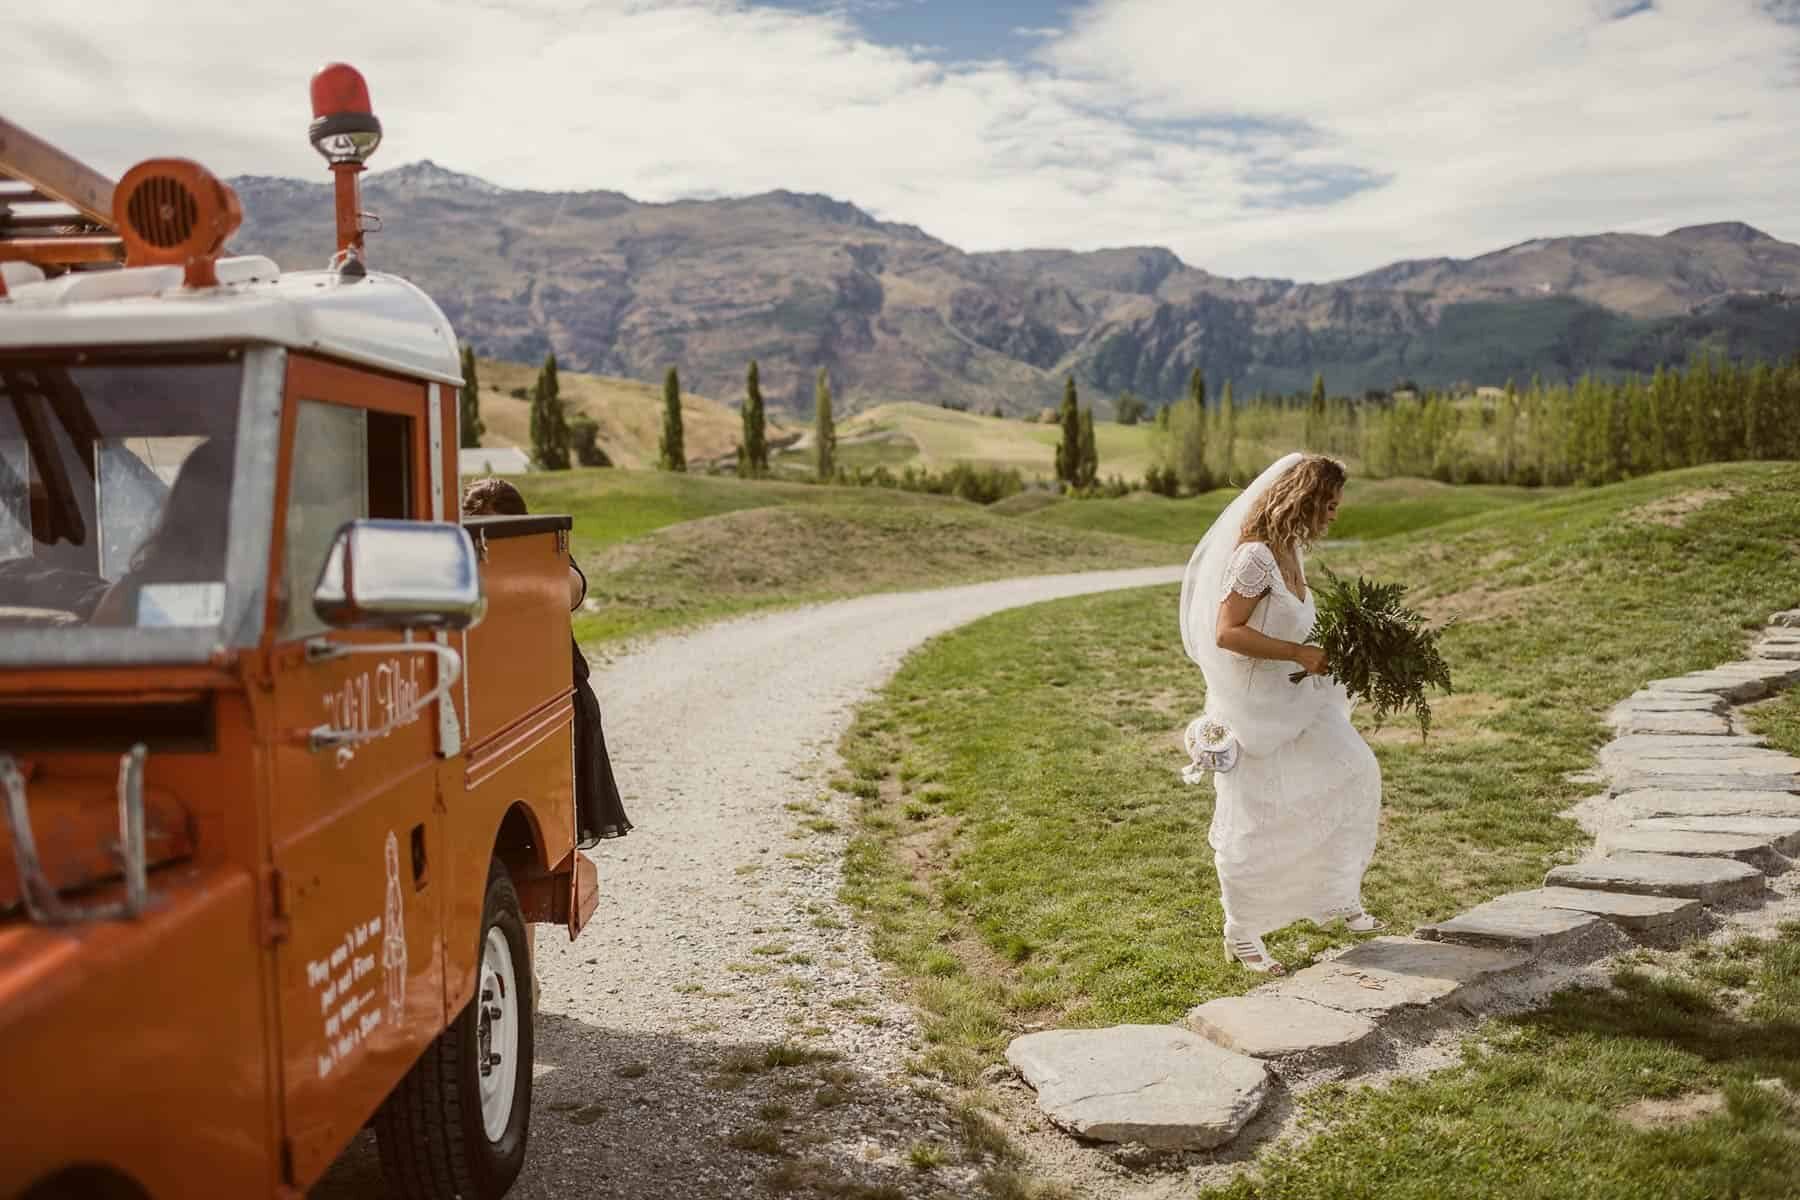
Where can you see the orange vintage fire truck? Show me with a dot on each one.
(285, 747)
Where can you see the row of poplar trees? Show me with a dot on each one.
(753, 449)
(1591, 431)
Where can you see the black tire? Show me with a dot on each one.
(433, 1143)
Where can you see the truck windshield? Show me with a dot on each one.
(118, 497)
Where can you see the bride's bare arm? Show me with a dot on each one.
(1234, 633)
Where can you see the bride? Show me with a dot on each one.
(1294, 825)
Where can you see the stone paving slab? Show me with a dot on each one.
(1730, 687)
(1684, 723)
(1783, 833)
(1691, 745)
(1627, 910)
(1161, 1085)
(1704, 775)
(1673, 700)
(1788, 619)
(1745, 848)
(1645, 803)
(1264, 1026)
(1510, 923)
(1783, 651)
(1706, 879)
(1390, 973)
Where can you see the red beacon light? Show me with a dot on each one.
(345, 131)
(344, 127)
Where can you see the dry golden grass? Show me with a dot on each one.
(946, 437)
(629, 414)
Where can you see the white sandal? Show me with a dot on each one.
(1359, 922)
(1252, 955)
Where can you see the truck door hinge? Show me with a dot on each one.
(275, 916)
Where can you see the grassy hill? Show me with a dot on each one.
(1371, 509)
(936, 438)
(629, 414)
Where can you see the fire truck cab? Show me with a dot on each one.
(285, 746)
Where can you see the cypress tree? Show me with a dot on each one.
(549, 423)
(1088, 461)
(824, 427)
(1762, 428)
(756, 437)
(1068, 452)
(671, 453)
(1315, 415)
(1187, 437)
(469, 403)
(1227, 433)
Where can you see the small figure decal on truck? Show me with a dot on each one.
(393, 947)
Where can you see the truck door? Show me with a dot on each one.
(355, 828)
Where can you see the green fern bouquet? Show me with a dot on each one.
(1377, 648)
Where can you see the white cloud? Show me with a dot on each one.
(1172, 122)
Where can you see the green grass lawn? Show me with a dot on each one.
(1779, 721)
(1026, 852)
(612, 506)
(1371, 509)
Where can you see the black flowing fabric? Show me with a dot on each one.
(601, 812)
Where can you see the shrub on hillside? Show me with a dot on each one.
(979, 485)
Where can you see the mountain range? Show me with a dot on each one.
(799, 282)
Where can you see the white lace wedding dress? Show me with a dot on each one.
(1294, 826)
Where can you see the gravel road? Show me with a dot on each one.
(720, 942)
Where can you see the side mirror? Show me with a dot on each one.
(400, 575)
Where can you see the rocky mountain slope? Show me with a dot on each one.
(802, 281)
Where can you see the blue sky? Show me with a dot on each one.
(953, 31)
(1299, 139)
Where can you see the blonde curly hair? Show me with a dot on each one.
(1292, 512)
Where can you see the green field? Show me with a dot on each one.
(1371, 509)
(1027, 854)
(944, 437)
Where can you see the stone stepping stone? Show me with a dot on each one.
(1645, 803)
(1665, 745)
(1391, 973)
(1266, 1026)
(1782, 833)
(1512, 923)
(1737, 681)
(1627, 910)
(1682, 723)
(1789, 619)
(1752, 770)
(1649, 701)
(1709, 880)
(1160, 1085)
(1781, 651)
(1745, 848)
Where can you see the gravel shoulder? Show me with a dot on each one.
(722, 1028)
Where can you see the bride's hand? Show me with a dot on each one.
(1311, 659)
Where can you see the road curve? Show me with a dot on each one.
(719, 932)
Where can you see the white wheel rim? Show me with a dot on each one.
(497, 1034)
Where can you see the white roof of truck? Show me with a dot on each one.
(378, 320)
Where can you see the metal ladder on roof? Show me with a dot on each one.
(55, 212)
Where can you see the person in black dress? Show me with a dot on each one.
(600, 810)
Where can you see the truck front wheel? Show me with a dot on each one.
(457, 1124)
